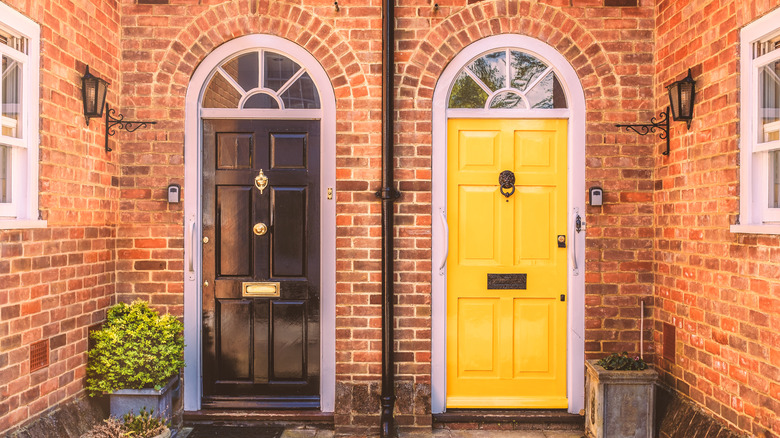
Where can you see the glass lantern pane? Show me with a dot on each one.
(302, 94)
(5, 174)
(547, 94)
(220, 93)
(507, 99)
(491, 69)
(774, 179)
(245, 70)
(466, 93)
(524, 69)
(277, 70)
(11, 100)
(686, 105)
(674, 99)
(261, 100)
(769, 111)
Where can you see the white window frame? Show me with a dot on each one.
(22, 211)
(755, 216)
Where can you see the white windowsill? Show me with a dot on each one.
(13, 224)
(756, 229)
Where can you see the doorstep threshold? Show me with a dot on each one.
(264, 416)
(508, 416)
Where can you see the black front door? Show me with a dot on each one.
(261, 267)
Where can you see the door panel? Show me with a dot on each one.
(234, 250)
(261, 351)
(289, 243)
(506, 338)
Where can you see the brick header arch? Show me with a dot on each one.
(546, 23)
(228, 21)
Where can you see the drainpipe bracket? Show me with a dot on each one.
(388, 193)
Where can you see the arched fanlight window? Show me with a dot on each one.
(261, 79)
(507, 78)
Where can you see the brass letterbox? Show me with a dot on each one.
(260, 289)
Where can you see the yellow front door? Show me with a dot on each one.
(506, 274)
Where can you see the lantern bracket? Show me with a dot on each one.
(661, 124)
(119, 122)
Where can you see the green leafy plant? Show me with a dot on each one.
(143, 425)
(136, 348)
(622, 362)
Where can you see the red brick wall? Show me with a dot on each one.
(720, 290)
(56, 282)
(112, 206)
(611, 49)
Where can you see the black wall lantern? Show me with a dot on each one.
(93, 93)
(681, 95)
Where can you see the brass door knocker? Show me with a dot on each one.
(507, 181)
(261, 181)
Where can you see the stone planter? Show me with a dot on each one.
(126, 400)
(619, 403)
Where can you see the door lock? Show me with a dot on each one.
(261, 181)
(260, 228)
(561, 241)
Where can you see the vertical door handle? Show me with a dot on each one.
(576, 227)
(191, 261)
(446, 239)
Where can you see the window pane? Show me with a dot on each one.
(10, 116)
(302, 94)
(524, 69)
(774, 179)
(541, 95)
(507, 99)
(769, 113)
(547, 93)
(220, 93)
(245, 70)
(491, 69)
(5, 174)
(466, 93)
(277, 70)
(261, 100)
(13, 41)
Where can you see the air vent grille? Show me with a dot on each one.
(39, 355)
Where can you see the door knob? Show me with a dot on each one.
(260, 228)
(261, 181)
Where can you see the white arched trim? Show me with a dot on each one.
(575, 98)
(193, 384)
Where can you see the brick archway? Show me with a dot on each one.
(488, 18)
(228, 21)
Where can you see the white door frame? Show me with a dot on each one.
(193, 384)
(575, 98)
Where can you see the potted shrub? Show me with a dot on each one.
(136, 359)
(619, 397)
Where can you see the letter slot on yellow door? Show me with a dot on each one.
(260, 289)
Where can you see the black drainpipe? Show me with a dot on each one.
(388, 195)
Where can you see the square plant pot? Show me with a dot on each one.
(126, 400)
(619, 403)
